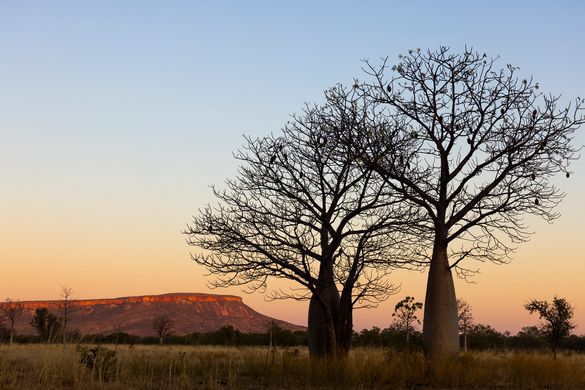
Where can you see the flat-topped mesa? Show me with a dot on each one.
(184, 298)
(190, 312)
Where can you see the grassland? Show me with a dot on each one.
(184, 367)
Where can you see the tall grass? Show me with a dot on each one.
(185, 367)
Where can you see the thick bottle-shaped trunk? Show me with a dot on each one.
(440, 328)
(344, 325)
(323, 311)
(321, 335)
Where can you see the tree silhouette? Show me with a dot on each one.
(303, 209)
(162, 324)
(405, 315)
(557, 319)
(66, 293)
(11, 310)
(475, 148)
(465, 319)
(48, 326)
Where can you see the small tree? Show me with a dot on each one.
(163, 325)
(10, 311)
(39, 322)
(66, 293)
(557, 319)
(48, 326)
(465, 320)
(405, 314)
(227, 335)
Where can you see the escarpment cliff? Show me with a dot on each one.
(190, 312)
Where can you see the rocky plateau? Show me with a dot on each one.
(190, 312)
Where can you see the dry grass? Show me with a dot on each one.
(184, 367)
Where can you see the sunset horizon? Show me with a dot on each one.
(117, 120)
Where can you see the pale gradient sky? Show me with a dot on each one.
(116, 117)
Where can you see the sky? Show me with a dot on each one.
(117, 117)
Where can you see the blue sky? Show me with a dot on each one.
(116, 116)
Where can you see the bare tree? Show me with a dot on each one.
(405, 315)
(557, 319)
(11, 310)
(162, 324)
(465, 319)
(303, 209)
(475, 148)
(66, 293)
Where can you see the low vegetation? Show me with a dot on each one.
(37, 366)
(229, 359)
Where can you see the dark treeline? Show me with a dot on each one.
(480, 338)
(227, 335)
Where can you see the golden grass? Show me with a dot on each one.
(186, 367)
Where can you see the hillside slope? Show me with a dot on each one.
(191, 312)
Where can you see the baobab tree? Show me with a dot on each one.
(303, 209)
(474, 147)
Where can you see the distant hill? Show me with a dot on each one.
(191, 312)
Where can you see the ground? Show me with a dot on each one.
(200, 367)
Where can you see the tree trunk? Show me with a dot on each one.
(323, 312)
(64, 323)
(321, 329)
(440, 328)
(344, 325)
(465, 341)
(11, 335)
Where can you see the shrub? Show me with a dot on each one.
(99, 360)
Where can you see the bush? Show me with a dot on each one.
(99, 360)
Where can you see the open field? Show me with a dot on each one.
(186, 367)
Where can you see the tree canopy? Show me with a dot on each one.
(474, 146)
(433, 161)
(557, 317)
(303, 209)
